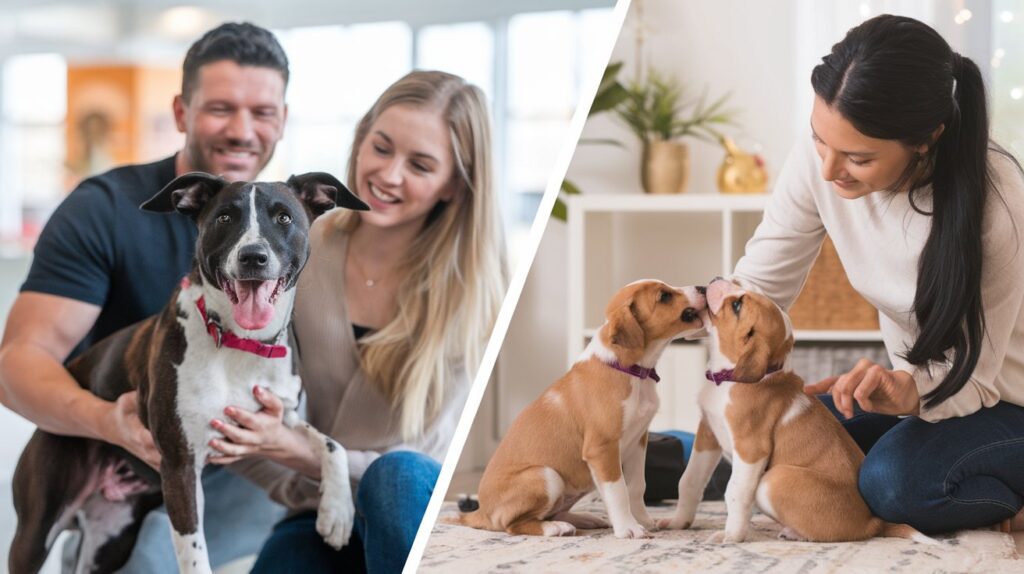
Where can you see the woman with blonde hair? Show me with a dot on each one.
(392, 313)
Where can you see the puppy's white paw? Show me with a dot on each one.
(558, 528)
(334, 520)
(634, 530)
(726, 537)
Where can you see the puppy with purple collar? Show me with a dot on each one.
(789, 455)
(588, 430)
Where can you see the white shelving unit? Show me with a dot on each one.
(681, 239)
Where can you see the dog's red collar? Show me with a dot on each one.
(224, 338)
(727, 375)
(636, 371)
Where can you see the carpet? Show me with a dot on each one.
(462, 549)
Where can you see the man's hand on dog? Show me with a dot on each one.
(875, 388)
(262, 433)
(125, 430)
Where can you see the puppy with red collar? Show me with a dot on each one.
(589, 429)
(787, 451)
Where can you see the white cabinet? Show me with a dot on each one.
(685, 239)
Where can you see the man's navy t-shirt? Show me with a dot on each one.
(99, 247)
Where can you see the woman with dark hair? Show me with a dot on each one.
(926, 215)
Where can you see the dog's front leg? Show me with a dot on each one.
(183, 495)
(703, 460)
(336, 513)
(602, 456)
(636, 483)
(739, 498)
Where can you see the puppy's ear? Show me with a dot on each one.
(625, 334)
(753, 362)
(186, 194)
(322, 191)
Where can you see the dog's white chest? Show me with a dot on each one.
(638, 410)
(714, 399)
(210, 379)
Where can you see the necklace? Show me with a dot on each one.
(368, 281)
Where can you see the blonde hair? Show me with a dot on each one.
(457, 268)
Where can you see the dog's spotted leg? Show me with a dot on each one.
(336, 513)
(183, 495)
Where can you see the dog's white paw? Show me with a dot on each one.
(634, 530)
(334, 520)
(558, 528)
(726, 537)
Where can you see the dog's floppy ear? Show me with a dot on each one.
(186, 194)
(753, 362)
(322, 191)
(625, 334)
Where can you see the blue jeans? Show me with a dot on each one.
(390, 502)
(237, 518)
(964, 472)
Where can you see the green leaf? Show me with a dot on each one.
(607, 98)
(609, 76)
(569, 187)
(560, 211)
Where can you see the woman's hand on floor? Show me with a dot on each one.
(875, 388)
(262, 433)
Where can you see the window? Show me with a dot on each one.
(34, 97)
(531, 67)
(333, 82)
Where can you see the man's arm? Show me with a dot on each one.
(41, 331)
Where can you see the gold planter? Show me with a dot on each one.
(741, 172)
(665, 167)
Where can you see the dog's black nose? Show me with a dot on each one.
(254, 255)
(701, 289)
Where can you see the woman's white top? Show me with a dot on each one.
(879, 239)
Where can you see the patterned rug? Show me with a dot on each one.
(462, 549)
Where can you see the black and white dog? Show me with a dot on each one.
(223, 332)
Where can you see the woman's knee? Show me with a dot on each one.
(887, 483)
(399, 474)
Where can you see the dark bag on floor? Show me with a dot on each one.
(665, 465)
(663, 468)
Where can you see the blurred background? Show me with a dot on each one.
(88, 85)
(726, 68)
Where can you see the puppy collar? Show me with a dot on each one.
(225, 338)
(636, 371)
(727, 375)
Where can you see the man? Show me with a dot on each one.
(102, 264)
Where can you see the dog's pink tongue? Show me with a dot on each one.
(254, 309)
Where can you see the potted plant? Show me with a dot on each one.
(657, 113)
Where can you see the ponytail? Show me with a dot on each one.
(896, 78)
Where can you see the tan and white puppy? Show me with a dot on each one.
(788, 453)
(589, 429)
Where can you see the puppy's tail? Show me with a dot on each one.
(890, 530)
(469, 514)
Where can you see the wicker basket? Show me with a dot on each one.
(828, 301)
